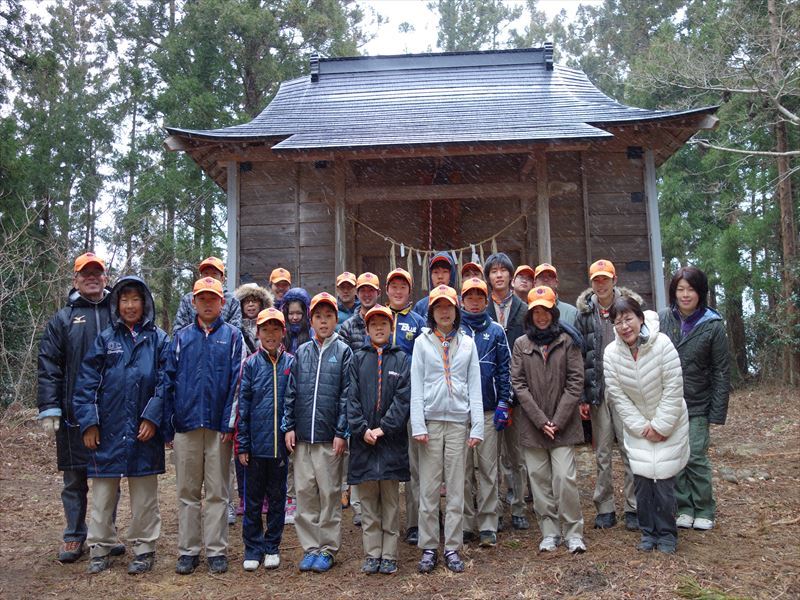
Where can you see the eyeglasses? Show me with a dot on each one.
(625, 322)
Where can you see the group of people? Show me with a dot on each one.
(481, 385)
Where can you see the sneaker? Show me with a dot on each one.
(388, 566)
(98, 564)
(70, 552)
(576, 546)
(549, 543)
(631, 521)
(117, 550)
(488, 539)
(666, 548)
(453, 561)
(646, 546)
(468, 536)
(251, 565)
(357, 519)
(428, 562)
(412, 536)
(520, 523)
(289, 512)
(186, 564)
(272, 561)
(308, 561)
(217, 564)
(371, 566)
(231, 514)
(605, 520)
(702, 524)
(240, 508)
(684, 521)
(141, 563)
(345, 498)
(323, 563)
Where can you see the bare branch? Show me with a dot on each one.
(707, 144)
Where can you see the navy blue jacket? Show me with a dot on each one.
(421, 307)
(316, 397)
(407, 325)
(261, 404)
(115, 391)
(494, 357)
(198, 386)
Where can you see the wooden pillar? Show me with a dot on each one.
(340, 221)
(233, 225)
(542, 209)
(587, 233)
(654, 230)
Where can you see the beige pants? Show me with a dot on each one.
(380, 517)
(145, 524)
(480, 484)
(290, 493)
(442, 459)
(512, 466)
(555, 491)
(605, 425)
(318, 484)
(412, 485)
(202, 460)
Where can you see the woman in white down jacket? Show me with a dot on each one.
(645, 386)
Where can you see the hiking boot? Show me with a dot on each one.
(323, 563)
(520, 523)
(70, 552)
(272, 561)
(605, 520)
(453, 561)
(141, 563)
(98, 564)
(631, 521)
(488, 539)
(576, 546)
(308, 561)
(388, 566)
(468, 536)
(371, 566)
(428, 562)
(702, 524)
(231, 514)
(117, 550)
(186, 564)
(549, 543)
(412, 536)
(217, 564)
(684, 521)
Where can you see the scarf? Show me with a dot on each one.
(475, 321)
(502, 305)
(379, 351)
(445, 340)
(545, 337)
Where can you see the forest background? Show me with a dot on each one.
(86, 86)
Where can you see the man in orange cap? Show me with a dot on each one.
(280, 280)
(368, 290)
(231, 309)
(522, 282)
(67, 338)
(546, 274)
(346, 293)
(598, 331)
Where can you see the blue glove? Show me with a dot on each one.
(502, 416)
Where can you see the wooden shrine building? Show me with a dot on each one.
(368, 162)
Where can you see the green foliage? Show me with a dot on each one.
(472, 24)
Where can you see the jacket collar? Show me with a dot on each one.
(214, 326)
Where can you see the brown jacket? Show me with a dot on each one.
(547, 391)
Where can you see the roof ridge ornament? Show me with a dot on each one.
(548, 56)
(314, 63)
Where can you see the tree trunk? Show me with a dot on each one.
(736, 336)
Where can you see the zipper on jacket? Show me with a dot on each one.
(316, 388)
(274, 406)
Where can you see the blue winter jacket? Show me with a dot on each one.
(407, 325)
(421, 307)
(493, 355)
(198, 386)
(261, 404)
(115, 391)
(316, 397)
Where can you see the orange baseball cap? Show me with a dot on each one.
(602, 267)
(541, 296)
(474, 283)
(378, 310)
(323, 298)
(208, 284)
(346, 277)
(369, 279)
(212, 261)
(524, 269)
(89, 258)
(545, 267)
(400, 273)
(280, 274)
(270, 314)
(443, 292)
(471, 265)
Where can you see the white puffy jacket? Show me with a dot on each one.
(649, 391)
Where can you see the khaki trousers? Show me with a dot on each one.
(555, 491)
(380, 518)
(202, 460)
(442, 459)
(318, 484)
(145, 524)
(512, 466)
(606, 424)
(412, 485)
(480, 484)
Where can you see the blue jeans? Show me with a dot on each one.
(73, 497)
(263, 477)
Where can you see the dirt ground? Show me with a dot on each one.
(753, 552)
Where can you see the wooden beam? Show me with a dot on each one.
(233, 225)
(527, 167)
(654, 229)
(586, 231)
(461, 191)
(175, 143)
(340, 233)
(542, 210)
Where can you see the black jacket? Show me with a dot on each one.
(388, 458)
(69, 335)
(705, 361)
(515, 322)
(589, 326)
(316, 398)
(354, 331)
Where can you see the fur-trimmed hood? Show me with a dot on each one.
(253, 289)
(585, 305)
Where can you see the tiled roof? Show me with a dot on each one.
(498, 96)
